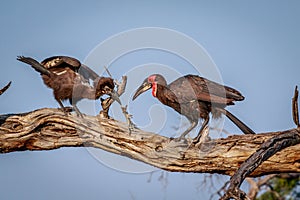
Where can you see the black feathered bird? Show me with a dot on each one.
(61, 74)
(194, 97)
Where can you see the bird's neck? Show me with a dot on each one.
(159, 91)
(84, 91)
(154, 89)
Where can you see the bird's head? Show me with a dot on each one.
(151, 82)
(106, 86)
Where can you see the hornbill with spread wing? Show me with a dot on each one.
(61, 74)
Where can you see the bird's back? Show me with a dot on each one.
(193, 87)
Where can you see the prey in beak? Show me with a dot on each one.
(143, 88)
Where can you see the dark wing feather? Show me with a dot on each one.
(61, 61)
(88, 73)
(72, 63)
(192, 87)
(35, 64)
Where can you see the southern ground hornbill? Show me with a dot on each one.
(61, 73)
(194, 97)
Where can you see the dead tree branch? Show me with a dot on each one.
(47, 129)
(106, 103)
(295, 111)
(266, 150)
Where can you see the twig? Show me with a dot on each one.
(295, 110)
(5, 88)
(256, 185)
(131, 125)
(108, 72)
(219, 191)
(106, 103)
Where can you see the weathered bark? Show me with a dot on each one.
(273, 145)
(266, 150)
(47, 129)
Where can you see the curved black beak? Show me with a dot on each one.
(143, 88)
(114, 95)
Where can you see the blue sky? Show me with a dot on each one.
(255, 46)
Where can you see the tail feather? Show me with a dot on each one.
(237, 122)
(35, 64)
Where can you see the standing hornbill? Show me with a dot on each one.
(194, 97)
(61, 73)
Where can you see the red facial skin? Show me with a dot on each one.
(151, 79)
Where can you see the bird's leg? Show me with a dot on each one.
(61, 106)
(204, 124)
(193, 125)
(79, 114)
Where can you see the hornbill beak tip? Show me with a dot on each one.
(114, 95)
(143, 88)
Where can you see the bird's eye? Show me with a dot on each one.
(106, 89)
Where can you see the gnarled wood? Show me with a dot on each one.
(266, 150)
(47, 129)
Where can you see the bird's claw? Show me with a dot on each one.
(195, 141)
(178, 139)
(66, 110)
(80, 115)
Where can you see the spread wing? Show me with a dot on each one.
(72, 63)
(61, 62)
(191, 87)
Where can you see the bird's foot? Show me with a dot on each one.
(178, 139)
(196, 141)
(201, 138)
(66, 110)
(80, 115)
